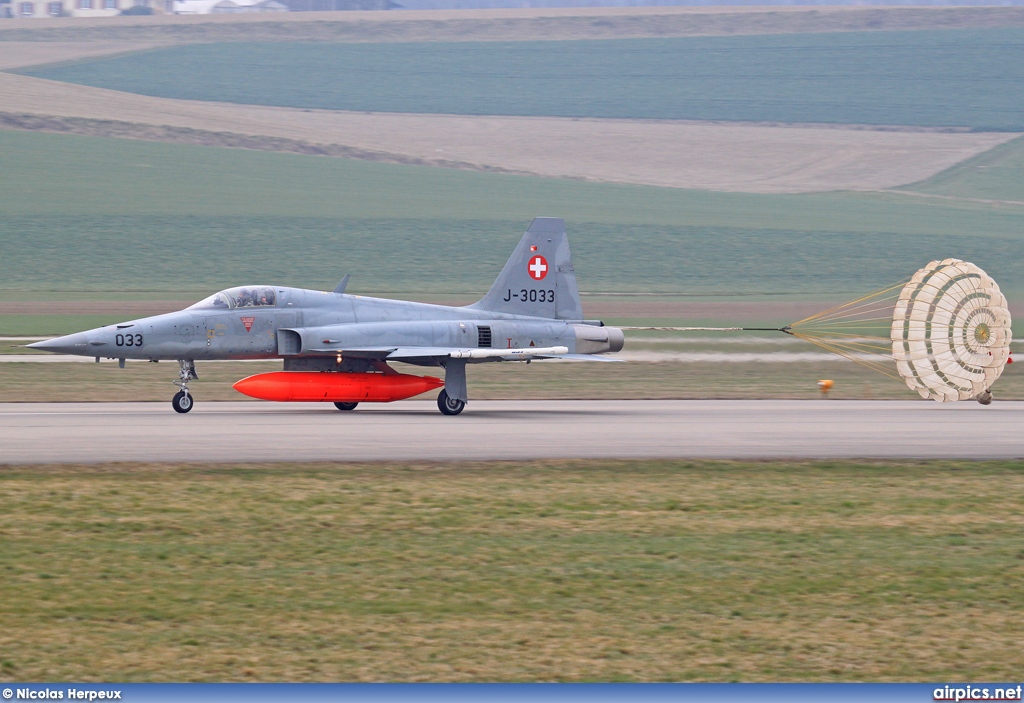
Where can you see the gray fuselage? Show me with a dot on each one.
(308, 323)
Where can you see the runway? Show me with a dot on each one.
(414, 430)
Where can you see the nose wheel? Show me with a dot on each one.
(182, 401)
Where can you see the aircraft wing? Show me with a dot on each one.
(361, 352)
(398, 353)
(463, 353)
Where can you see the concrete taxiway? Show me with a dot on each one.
(414, 430)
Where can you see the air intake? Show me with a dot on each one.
(288, 342)
(483, 336)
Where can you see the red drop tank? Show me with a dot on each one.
(314, 386)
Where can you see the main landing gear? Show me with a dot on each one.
(346, 406)
(450, 406)
(182, 401)
(985, 398)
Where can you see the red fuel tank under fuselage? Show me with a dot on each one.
(332, 386)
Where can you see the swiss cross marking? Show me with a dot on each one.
(247, 321)
(538, 267)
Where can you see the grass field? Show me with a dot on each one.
(574, 571)
(93, 214)
(997, 174)
(964, 78)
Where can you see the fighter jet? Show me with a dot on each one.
(337, 347)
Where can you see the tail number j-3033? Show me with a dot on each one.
(531, 295)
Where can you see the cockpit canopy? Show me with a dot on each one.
(240, 297)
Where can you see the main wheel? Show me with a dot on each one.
(182, 402)
(450, 406)
(346, 406)
(985, 398)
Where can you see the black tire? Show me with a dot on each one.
(182, 402)
(985, 398)
(346, 406)
(450, 406)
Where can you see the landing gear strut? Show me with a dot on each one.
(182, 401)
(450, 406)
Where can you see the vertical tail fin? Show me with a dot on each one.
(538, 279)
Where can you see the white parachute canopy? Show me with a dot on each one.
(950, 331)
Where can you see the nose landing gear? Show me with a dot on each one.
(182, 401)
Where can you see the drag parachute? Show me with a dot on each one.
(947, 329)
(950, 331)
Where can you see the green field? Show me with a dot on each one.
(574, 571)
(965, 77)
(997, 174)
(94, 214)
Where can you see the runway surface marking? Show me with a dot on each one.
(415, 430)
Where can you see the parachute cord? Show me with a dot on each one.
(852, 335)
(852, 340)
(885, 302)
(883, 352)
(855, 357)
(840, 308)
(848, 305)
(836, 323)
(880, 306)
(876, 349)
(873, 365)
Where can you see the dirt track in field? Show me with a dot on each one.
(31, 53)
(676, 154)
(736, 157)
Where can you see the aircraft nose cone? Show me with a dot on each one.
(69, 344)
(45, 345)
